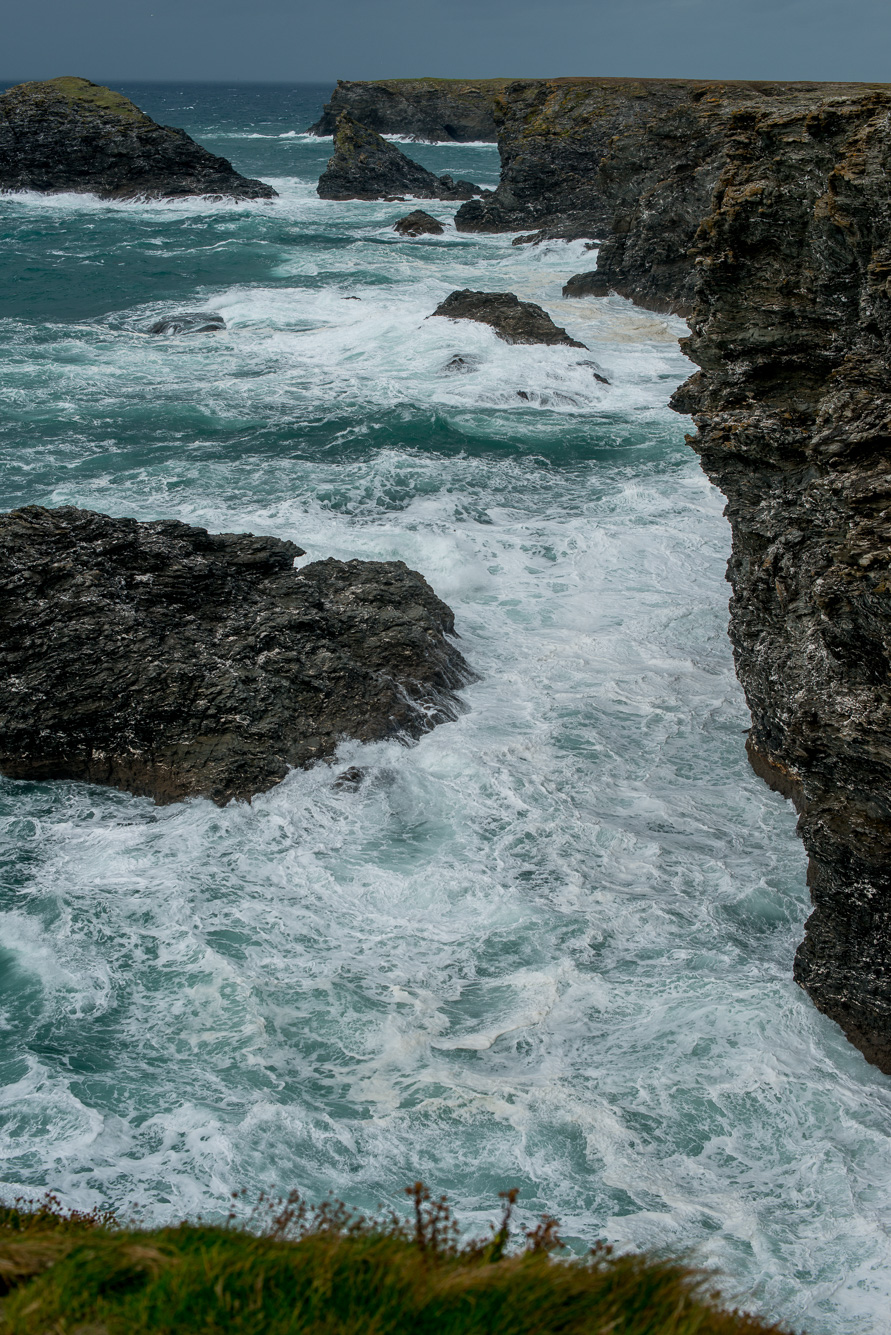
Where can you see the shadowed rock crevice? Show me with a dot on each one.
(173, 662)
(70, 135)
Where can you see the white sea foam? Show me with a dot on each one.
(548, 946)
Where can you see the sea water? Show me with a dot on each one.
(549, 946)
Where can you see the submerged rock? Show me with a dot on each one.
(72, 135)
(366, 166)
(189, 322)
(173, 662)
(513, 320)
(418, 223)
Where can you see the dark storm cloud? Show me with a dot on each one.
(294, 40)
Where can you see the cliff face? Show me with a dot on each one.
(72, 135)
(763, 211)
(452, 110)
(792, 331)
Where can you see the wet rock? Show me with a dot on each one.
(596, 372)
(513, 320)
(418, 223)
(590, 284)
(366, 166)
(461, 365)
(189, 322)
(169, 661)
(447, 110)
(72, 135)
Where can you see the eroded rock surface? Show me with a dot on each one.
(792, 331)
(189, 322)
(173, 662)
(513, 320)
(450, 110)
(72, 135)
(366, 166)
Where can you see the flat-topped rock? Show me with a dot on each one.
(513, 320)
(451, 110)
(68, 134)
(366, 166)
(169, 661)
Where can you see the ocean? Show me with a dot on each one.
(549, 946)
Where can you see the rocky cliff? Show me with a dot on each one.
(72, 135)
(450, 110)
(173, 662)
(763, 212)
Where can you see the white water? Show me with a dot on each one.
(550, 946)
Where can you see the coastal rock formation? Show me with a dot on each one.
(445, 110)
(366, 166)
(418, 223)
(189, 322)
(173, 662)
(792, 331)
(72, 135)
(588, 284)
(513, 320)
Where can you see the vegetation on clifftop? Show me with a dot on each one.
(295, 1268)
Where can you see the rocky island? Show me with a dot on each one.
(173, 662)
(68, 134)
(445, 110)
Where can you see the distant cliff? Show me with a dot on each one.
(72, 135)
(450, 110)
(763, 212)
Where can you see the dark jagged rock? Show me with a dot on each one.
(173, 662)
(513, 320)
(418, 223)
(590, 284)
(366, 166)
(189, 322)
(72, 135)
(792, 331)
(450, 110)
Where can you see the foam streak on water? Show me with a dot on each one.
(550, 946)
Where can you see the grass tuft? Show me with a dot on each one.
(296, 1268)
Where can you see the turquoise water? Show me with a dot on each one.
(550, 946)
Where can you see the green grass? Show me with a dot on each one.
(295, 1269)
(82, 92)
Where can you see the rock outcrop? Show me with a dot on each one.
(792, 331)
(513, 320)
(173, 662)
(443, 110)
(72, 135)
(366, 166)
(189, 322)
(418, 223)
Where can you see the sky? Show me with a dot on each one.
(319, 41)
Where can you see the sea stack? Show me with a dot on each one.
(366, 166)
(172, 662)
(70, 135)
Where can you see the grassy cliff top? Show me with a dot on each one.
(79, 93)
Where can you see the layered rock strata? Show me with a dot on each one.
(72, 135)
(444, 110)
(173, 662)
(365, 166)
(792, 331)
(513, 320)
